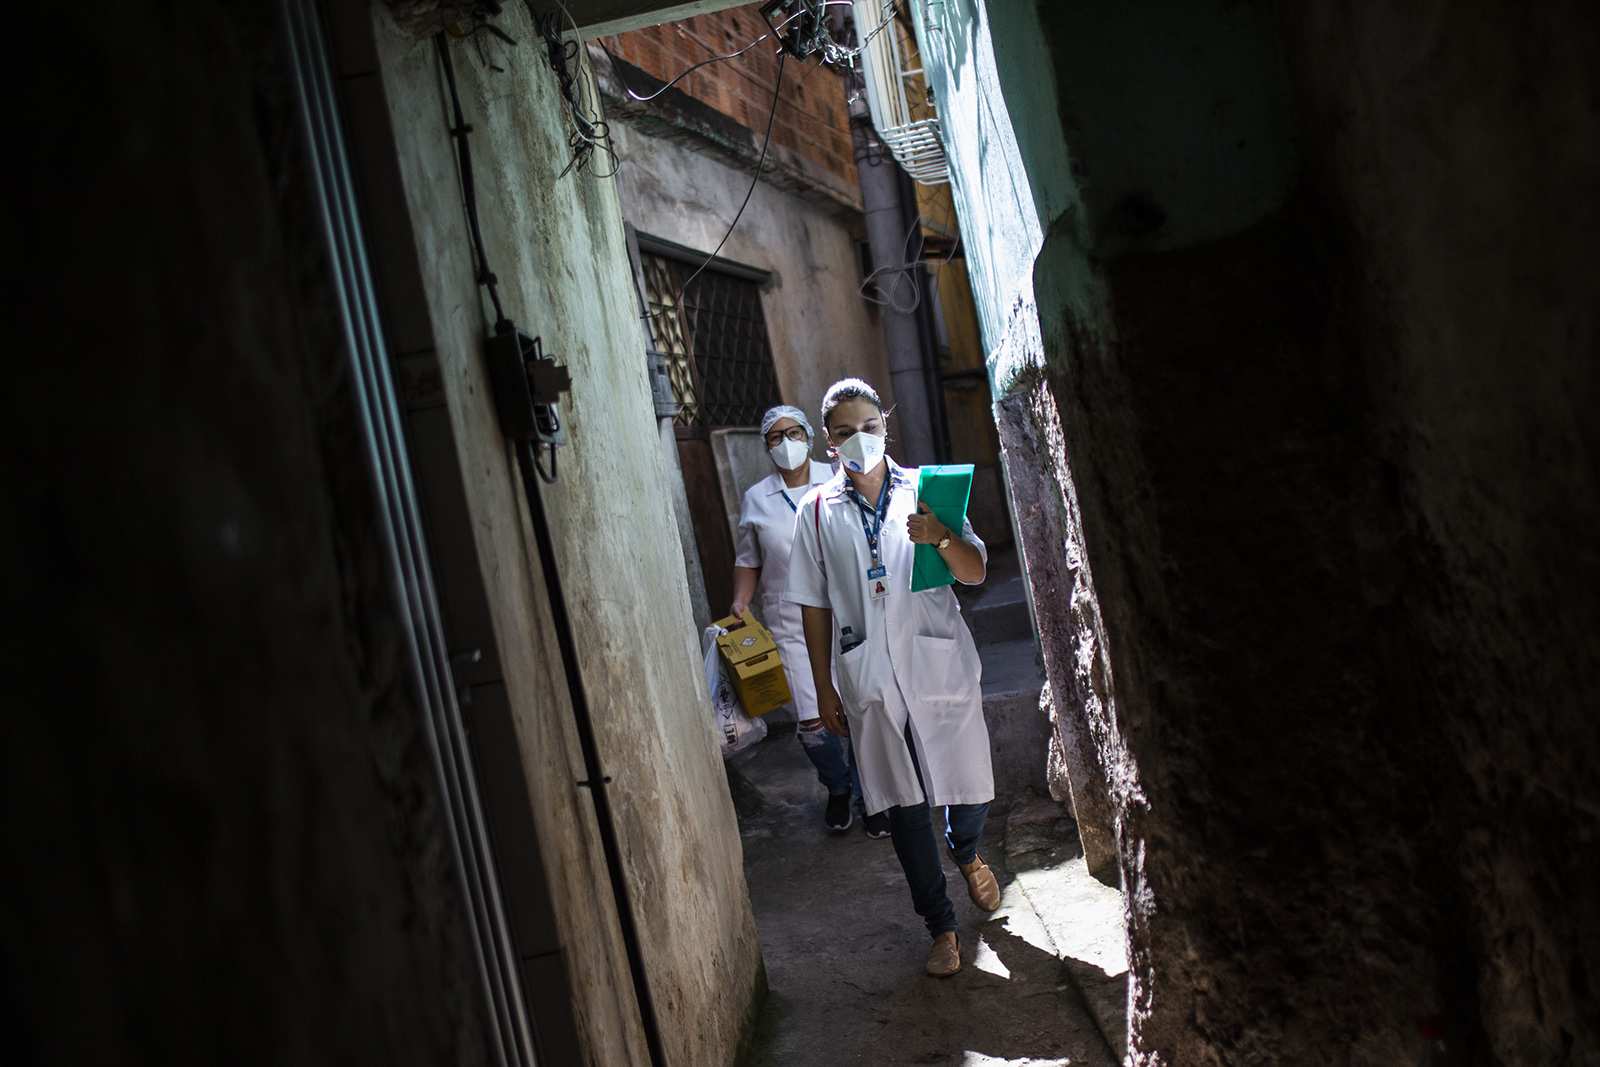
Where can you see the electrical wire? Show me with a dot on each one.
(532, 474)
(740, 70)
(901, 272)
(766, 142)
(704, 62)
(588, 134)
(890, 10)
(831, 55)
(469, 193)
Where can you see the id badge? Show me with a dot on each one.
(878, 583)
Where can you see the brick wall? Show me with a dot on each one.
(812, 117)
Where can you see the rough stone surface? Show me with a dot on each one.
(1310, 406)
(1066, 613)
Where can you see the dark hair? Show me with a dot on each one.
(848, 389)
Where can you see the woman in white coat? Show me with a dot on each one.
(908, 670)
(766, 531)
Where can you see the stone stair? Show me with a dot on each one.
(999, 610)
(1013, 679)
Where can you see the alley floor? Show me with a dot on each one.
(844, 951)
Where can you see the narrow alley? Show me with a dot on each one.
(1160, 432)
(1045, 981)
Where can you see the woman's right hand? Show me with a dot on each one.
(831, 710)
(738, 608)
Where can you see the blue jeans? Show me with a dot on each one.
(826, 752)
(911, 830)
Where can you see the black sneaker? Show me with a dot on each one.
(877, 825)
(838, 815)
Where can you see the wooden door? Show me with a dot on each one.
(704, 490)
(719, 362)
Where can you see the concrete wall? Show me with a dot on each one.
(1307, 396)
(820, 328)
(223, 832)
(558, 247)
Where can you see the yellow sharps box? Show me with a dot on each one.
(751, 657)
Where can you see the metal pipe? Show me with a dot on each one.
(466, 830)
(886, 235)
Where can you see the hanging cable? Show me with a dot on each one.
(832, 53)
(588, 134)
(766, 141)
(901, 272)
(704, 62)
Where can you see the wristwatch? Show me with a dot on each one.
(944, 542)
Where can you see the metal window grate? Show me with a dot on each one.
(718, 357)
(661, 281)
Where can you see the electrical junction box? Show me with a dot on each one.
(751, 657)
(527, 386)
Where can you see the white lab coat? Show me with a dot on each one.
(917, 664)
(766, 532)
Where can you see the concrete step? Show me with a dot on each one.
(999, 613)
(1019, 731)
(1057, 905)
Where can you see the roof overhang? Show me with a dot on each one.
(602, 18)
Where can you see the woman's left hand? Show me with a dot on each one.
(924, 528)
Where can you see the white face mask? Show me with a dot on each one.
(862, 452)
(788, 454)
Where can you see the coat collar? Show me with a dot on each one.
(816, 479)
(899, 478)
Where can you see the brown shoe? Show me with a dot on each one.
(944, 959)
(981, 884)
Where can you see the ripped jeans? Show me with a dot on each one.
(835, 768)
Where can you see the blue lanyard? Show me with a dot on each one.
(883, 510)
(792, 505)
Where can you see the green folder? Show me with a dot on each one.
(945, 490)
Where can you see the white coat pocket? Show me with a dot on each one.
(942, 671)
(854, 671)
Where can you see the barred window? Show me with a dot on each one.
(718, 356)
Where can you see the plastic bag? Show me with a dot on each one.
(736, 731)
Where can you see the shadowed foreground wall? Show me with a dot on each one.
(556, 242)
(1338, 472)
(1316, 292)
(222, 837)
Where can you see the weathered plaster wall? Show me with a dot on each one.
(558, 248)
(820, 328)
(223, 836)
(1316, 297)
(1003, 181)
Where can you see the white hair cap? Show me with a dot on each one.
(784, 411)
